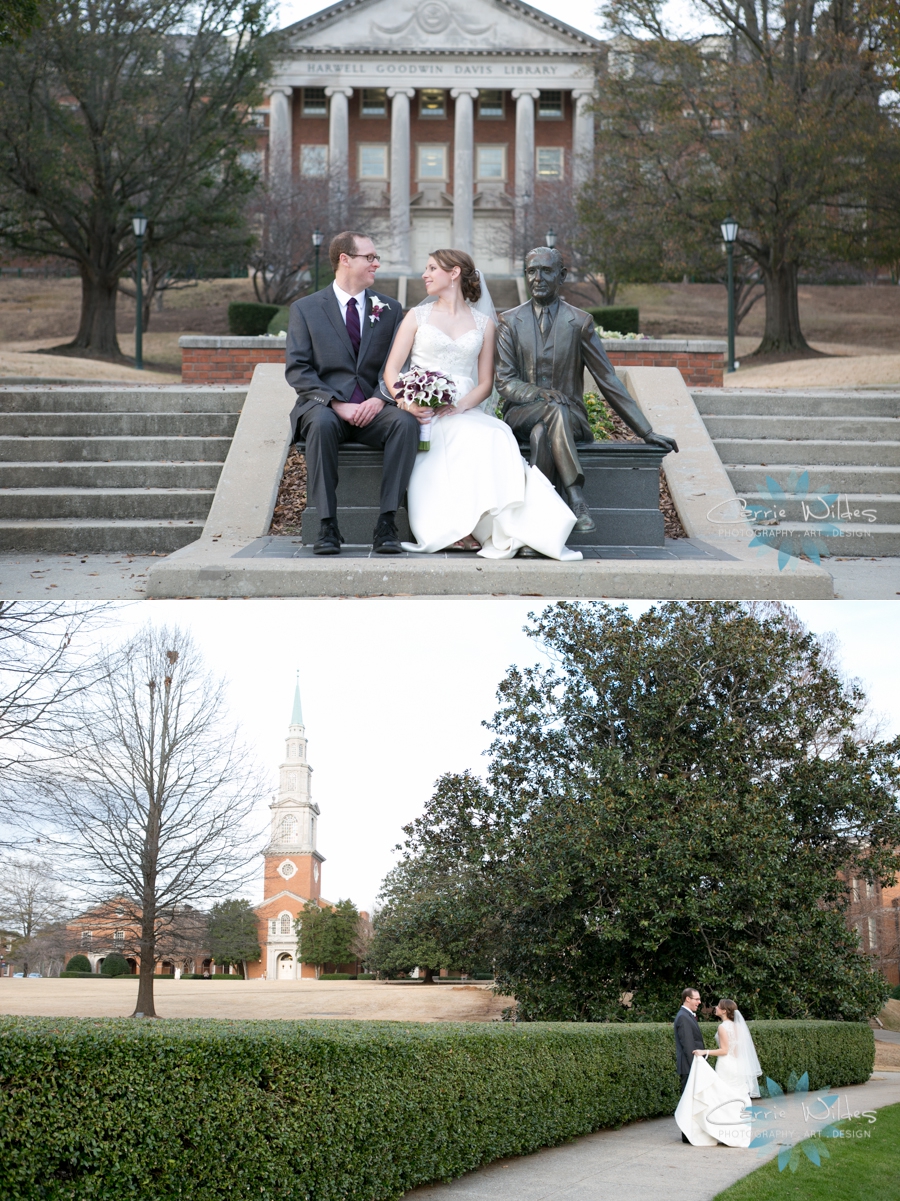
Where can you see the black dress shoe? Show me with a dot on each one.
(685, 1139)
(528, 552)
(329, 542)
(578, 505)
(386, 540)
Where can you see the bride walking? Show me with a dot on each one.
(472, 490)
(712, 1106)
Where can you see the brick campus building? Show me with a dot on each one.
(443, 119)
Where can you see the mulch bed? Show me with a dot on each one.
(292, 491)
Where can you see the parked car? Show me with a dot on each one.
(18, 975)
(35, 976)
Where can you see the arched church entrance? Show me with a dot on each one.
(285, 967)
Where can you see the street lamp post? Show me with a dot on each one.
(139, 225)
(550, 238)
(729, 229)
(317, 242)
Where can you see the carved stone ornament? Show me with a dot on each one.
(287, 869)
(434, 17)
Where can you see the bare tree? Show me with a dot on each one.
(30, 900)
(152, 807)
(284, 217)
(44, 666)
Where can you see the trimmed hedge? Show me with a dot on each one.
(250, 320)
(623, 318)
(115, 965)
(336, 976)
(280, 322)
(335, 1111)
(78, 963)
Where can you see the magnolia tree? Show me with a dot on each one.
(680, 800)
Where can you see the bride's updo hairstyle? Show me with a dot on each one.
(730, 1008)
(468, 275)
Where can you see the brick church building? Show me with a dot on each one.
(293, 867)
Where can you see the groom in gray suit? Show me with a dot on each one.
(337, 343)
(688, 1037)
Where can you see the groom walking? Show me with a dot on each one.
(337, 342)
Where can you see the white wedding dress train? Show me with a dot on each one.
(712, 1106)
(474, 480)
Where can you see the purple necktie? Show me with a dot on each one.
(353, 330)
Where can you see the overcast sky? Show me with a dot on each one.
(394, 693)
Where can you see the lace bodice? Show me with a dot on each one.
(437, 351)
(732, 1040)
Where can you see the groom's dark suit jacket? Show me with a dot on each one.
(688, 1037)
(321, 365)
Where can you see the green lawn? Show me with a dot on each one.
(859, 1169)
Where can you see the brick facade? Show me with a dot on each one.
(231, 360)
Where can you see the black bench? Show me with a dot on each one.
(621, 487)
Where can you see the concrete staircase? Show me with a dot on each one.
(111, 468)
(849, 443)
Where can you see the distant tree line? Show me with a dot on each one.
(682, 799)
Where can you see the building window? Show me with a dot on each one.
(285, 923)
(119, 936)
(87, 937)
(315, 102)
(313, 160)
(550, 105)
(490, 162)
(287, 869)
(252, 160)
(373, 162)
(273, 926)
(432, 102)
(432, 164)
(549, 162)
(287, 831)
(870, 889)
(490, 102)
(120, 912)
(873, 934)
(374, 102)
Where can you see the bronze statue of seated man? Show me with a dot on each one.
(543, 348)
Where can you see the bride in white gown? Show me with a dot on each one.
(472, 489)
(712, 1108)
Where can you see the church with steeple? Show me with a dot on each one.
(293, 865)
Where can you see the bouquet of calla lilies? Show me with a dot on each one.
(429, 389)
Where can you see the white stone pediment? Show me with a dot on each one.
(437, 26)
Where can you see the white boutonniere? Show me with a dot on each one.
(378, 307)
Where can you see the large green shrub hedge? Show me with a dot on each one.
(250, 320)
(333, 1111)
(622, 318)
(115, 965)
(78, 963)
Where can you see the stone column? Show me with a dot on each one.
(524, 197)
(280, 138)
(464, 169)
(582, 137)
(400, 220)
(338, 150)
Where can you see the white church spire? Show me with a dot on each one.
(294, 812)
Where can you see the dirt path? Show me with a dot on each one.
(371, 1001)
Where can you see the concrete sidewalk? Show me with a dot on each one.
(646, 1161)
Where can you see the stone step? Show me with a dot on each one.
(854, 508)
(741, 401)
(113, 425)
(127, 537)
(769, 451)
(212, 399)
(855, 541)
(111, 475)
(749, 477)
(60, 449)
(111, 504)
(800, 428)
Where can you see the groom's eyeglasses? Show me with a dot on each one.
(370, 258)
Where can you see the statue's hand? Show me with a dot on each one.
(554, 397)
(666, 444)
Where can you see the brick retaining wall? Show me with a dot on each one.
(230, 360)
